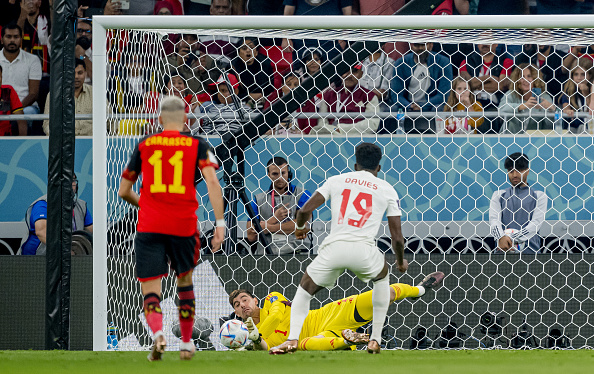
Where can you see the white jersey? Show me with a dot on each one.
(358, 201)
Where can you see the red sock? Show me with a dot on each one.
(152, 312)
(187, 309)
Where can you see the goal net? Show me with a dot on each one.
(448, 99)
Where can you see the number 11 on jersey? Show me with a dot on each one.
(364, 212)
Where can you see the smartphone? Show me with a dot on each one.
(125, 4)
(536, 93)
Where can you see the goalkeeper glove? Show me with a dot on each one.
(254, 334)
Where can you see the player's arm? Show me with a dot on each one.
(276, 314)
(216, 200)
(503, 242)
(395, 226)
(304, 214)
(127, 193)
(129, 177)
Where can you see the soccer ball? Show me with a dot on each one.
(517, 245)
(233, 334)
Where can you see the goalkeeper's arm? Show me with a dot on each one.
(255, 336)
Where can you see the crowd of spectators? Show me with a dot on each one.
(524, 84)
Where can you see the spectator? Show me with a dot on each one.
(558, 7)
(378, 70)
(187, 63)
(84, 45)
(527, 96)
(310, 63)
(315, 8)
(265, 7)
(519, 207)
(10, 104)
(462, 100)
(83, 102)
(11, 9)
(503, 7)
(197, 7)
(254, 72)
(21, 70)
(486, 70)
(577, 95)
(36, 220)
(219, 47)
(349, 98)
(222, 103)
(575, 53)
(130, 82)
(166, 8)
(172, 86)
(421, 81)
(549, 62)
(287, 125)
(276, 209)
(35, 21)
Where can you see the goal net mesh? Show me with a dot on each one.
(446, 111)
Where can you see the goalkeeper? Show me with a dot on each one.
(329, 328)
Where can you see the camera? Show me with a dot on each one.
(419, 339)
(490, 324)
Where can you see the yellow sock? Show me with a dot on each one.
(365, 306)
(317, 343)
(404, 290)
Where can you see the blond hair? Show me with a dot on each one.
(570, 88)
(517, 75)
(173, 110)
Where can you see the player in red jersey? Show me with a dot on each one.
(167, 223)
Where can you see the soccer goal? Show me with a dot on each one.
(447, 98)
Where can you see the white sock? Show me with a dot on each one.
(381, 301)
(421, 290)
(299, 310)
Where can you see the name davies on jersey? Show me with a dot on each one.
(166, 141)
(361, 182)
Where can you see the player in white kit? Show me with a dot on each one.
(359, 200)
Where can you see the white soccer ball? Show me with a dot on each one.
(518, 245)
(233, 334)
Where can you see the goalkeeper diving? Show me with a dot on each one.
(332, 327)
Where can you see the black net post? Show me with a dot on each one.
(60, 172)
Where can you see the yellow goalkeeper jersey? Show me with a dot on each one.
(275, 319)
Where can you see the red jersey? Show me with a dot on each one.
(169, 162)
(9, 104)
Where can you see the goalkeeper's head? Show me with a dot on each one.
(173, 113)
(244, 303)
(368, 156)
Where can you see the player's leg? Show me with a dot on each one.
(299, 310)
(187, 311)
(183, 253)
(380, 299)
(322, 272)
(332, 341)
(151, 266)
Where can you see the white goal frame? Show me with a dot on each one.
(103, 23)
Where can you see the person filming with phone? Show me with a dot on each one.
(525, 105)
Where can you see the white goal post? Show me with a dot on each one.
(425, 169)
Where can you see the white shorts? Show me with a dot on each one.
(363, 259)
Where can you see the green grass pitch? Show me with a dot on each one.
(397, 362)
